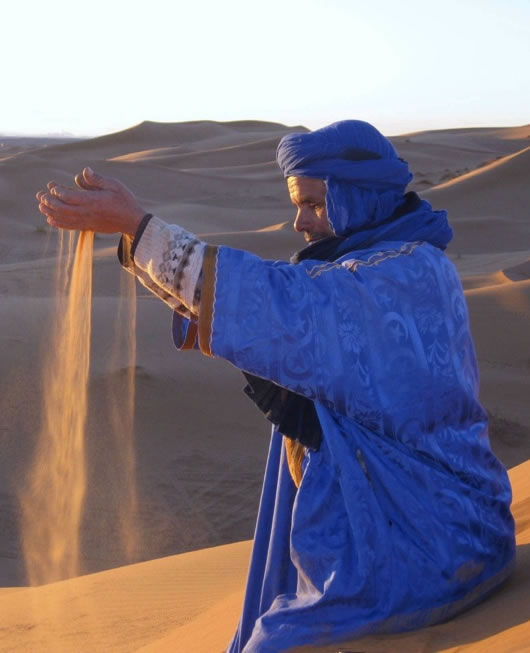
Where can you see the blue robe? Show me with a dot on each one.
(402, 518)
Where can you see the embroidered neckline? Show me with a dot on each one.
(375, 259)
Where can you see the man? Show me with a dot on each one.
(383, 507)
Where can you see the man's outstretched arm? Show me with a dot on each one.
(304, 330)
(166, 258)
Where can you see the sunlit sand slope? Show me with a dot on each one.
(489, 206)
(190, 603)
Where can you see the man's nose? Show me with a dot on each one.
(303, 220)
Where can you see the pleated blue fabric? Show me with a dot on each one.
(402, 518)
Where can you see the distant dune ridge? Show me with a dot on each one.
(201, 445)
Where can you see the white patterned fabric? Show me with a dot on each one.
(168, 262)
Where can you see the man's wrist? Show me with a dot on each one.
(133, 222)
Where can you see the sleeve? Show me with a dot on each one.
(167, 260)
(285, 324)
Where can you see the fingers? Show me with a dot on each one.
(86, 180)
(97, 203)
(93, 180)
(56, 203)
(90, 180)
(59, 191)
(49, 210)
(47, 199)
(67, 223)
(68, 195)
(62, 219)
(49, 186)
(80, 181)
(52, 215)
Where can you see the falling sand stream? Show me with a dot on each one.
(54, 494)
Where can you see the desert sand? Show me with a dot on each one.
(201, 445)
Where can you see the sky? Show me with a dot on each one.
(105, 65)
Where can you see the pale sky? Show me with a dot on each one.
(104, 65)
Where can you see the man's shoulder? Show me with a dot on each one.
(414, 267)
(383, 258)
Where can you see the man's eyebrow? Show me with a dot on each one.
(312, 199)
(304, 197)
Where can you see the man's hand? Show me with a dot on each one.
(102, 204)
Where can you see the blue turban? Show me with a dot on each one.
(366, 182)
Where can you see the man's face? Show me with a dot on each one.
(309, 197)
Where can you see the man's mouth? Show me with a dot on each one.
(312, 238)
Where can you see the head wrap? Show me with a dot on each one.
(366, 182)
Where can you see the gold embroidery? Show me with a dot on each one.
(374, 259)
(323, 267)
(207, 300)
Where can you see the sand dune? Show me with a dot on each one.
(190, 604)
(200, 466)
(488, 206)
(487, 185)
(246, 154)
(187, 137)
(437, 156)
(124, 609)
(500, 319)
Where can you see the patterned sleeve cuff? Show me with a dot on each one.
(139, 232)
(172, 257)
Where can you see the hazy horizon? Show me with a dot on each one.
(413, 67)
(88, 135)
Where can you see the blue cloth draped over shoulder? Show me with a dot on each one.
(402, 518)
